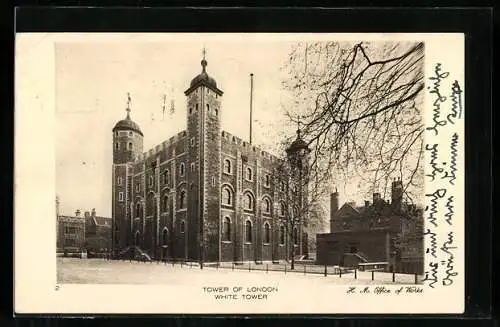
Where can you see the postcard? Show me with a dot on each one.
(186, 173)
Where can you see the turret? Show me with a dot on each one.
(127, 139)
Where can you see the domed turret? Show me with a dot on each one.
(298, 144)
(203, 79)
(127, 124)
(127, 139)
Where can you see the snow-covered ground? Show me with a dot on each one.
(99, 271)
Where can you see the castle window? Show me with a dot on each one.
(282, 186)
(282, 209)
(192, 141)
(166, 176)
(295, 236)
(227, 196)
(150, 181)
(227, 166)
(182, 228)
(190, 110)
(130, 133)
(213, 181)
(119, 180)
(248, 202)
(216, 112)
(164, 237)
(248, 231)
(267, 233)
(208, 107)
(249, 174)
(138, 210)
(138, 187)
(267, 205)
(120, 196)
(226, 231)
(192, 166)
(182, 200)
(267, 181)
(130, 145)
(117, 146)
(282, 235)
(165, 203)
(196, 105)
(181, 169)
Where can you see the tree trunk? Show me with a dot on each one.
(293, 257)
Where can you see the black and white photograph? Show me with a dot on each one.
(238, 170)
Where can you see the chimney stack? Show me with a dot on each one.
(334, 207)
(77, 213)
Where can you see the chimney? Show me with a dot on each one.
(334, 203)
(397, 192)
(77, 213)
(87, 214)
(93, 212)
(334, 207)
(376, 197)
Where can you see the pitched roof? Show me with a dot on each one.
(102, 221)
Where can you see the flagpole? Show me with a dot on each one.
(251, 109)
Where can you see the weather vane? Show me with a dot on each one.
(129, 99)
(204, 52)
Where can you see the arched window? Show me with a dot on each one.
(183, 226)
(117, 146)
(151, 180)
(138, 211)
(166, 176)
(249, 174)
(248, 231)
(181, 169)
(208, 107)
(248, 201)
(282, 235)
(150, 204)
(119, 182)
(266, 205)
(295, 236)
(216, 112)
(226, 232)
(164, 203)
(282, 186)
(164, 237)
(267, 233)
(227, 166)
(282, 208)
(227, 196)
(267, 181)
(130, 146)
(182, 200)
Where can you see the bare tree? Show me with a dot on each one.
(299, 197)
(360, 104)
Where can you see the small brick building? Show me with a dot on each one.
(380, 231)
(203, 194)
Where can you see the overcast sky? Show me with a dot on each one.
(92, 81)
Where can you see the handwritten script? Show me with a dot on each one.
(443, 148)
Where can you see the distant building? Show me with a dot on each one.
(89, 232)
(70, 233)
(380, 231)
